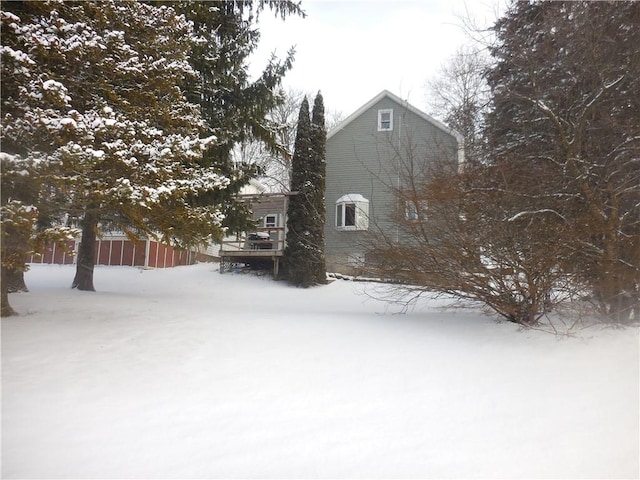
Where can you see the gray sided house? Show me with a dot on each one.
(377, 151)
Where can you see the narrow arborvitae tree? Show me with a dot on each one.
(317, 181)
(304, 263)
(295, 267)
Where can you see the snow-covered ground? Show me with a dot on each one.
(186, 373)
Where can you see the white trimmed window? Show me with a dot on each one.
(271, 220)
(352, 212)
(385, 120)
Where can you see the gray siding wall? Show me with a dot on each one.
(263, 206)
(364, 161)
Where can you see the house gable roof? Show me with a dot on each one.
(399, 101)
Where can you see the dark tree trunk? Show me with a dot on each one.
(15, 281)
(86, 255)
(6, 309)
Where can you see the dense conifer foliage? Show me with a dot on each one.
(122, 114)
(235, 108)
(102, 88)
(304, 261)
(317, 178)
(566, 117)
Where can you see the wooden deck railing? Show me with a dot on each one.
(263, 241)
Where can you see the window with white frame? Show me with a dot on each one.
(385, 120)
(270, 220)
(352, 212)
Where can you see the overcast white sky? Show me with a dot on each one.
(352, 50)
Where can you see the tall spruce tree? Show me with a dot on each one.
(109, 99)
(98, 103)
(566, 118)
(29, 206)
(235, 108)
(304, 262)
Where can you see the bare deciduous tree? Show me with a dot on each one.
(276, 167)
(459, 94)
(457, 233)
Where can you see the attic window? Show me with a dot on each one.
(352, 212)
(385, 120)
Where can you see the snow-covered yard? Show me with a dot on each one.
(185, 373)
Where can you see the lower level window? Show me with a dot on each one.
(415, 210)
(346, 213)
(352, 212)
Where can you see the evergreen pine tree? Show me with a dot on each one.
(109, 98)
(234, 108)
(304, 263)
(565, 117)
(98, 101)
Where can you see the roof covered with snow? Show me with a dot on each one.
(352, 197)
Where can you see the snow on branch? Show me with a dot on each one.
(535, 212)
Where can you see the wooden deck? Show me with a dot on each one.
(262, 244)
(267, 241)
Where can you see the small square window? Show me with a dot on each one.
(385, 120)
(271, 221)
